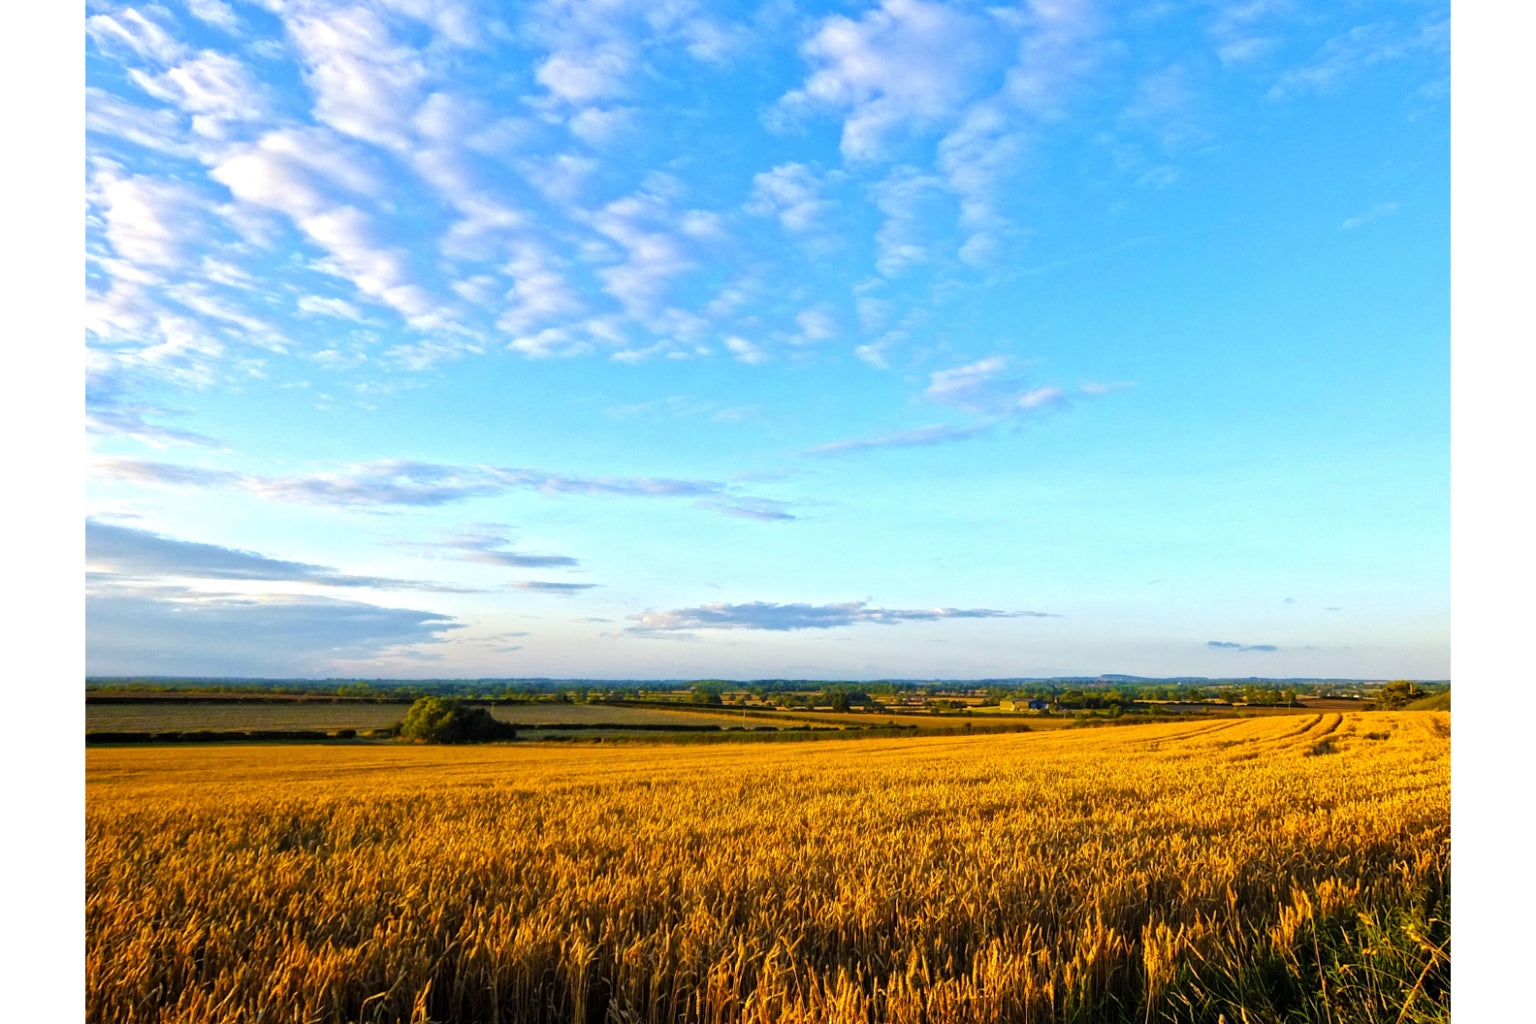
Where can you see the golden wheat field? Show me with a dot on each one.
(1238, 870)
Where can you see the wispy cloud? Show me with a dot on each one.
(903, 64)
(1349, 53)
(491, 546)
(792, 193)
(765, 510)
(937, 433)
(108, 414)
(166, 474)
(1376, 212)
(765, 615)
(129, 32)
(406, 483)
(552, 587)
(982, 388)
(215, 89)
(121, 553)
(1222, 645)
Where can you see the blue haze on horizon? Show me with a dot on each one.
(668, 339)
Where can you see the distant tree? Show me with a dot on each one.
(704, 694)
(436, 720)
(1397, 693)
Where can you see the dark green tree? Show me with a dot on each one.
(1397, 693)
(436, 720)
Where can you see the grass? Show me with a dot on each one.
(1193, 871)
(1434, 702)
(186, 716)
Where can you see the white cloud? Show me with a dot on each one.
(1361, 47)
(127, 32)
(458, 22)
(404, 482)
(149, 221)
(906, 239)
(166, 346)
(479, 289)
(221, 272)
(362, 78)
(872, 355)
(425, 354)
(539, 292)
(598, 127)
(1240, 51)
(595, 49)
(745, 351)
(561, 178)
(1235, 28)
(159, 130)
(341, 309)
(298, 173)
(550, 342)
(655, 257)
(1165, 103)
(974, 387)
(108, 413)
(922, 437)
(976, 158)
(1040, 398)
(772, 616)
(216, 13)
(1376, 212)
(196, 296)
(792, 193)
(348, 234)
(582, 77)
(816, 324)
(906, 63)
(215, 88)
(1059, 45)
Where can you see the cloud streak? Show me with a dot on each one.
(981, 389)
(937, 433)
(125, 553)
(402, 482)
(492, 547)
(1224, 645)
(552, 588)
(764, 615)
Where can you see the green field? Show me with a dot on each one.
(188, 715)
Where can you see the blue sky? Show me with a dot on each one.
(857, 340)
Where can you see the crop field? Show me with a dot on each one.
(1274, 869)
(187, 715)
(924, 722)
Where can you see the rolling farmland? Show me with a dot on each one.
(1285, 868)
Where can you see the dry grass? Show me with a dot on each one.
(1186, 871)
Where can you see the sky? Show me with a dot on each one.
(660, 340)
